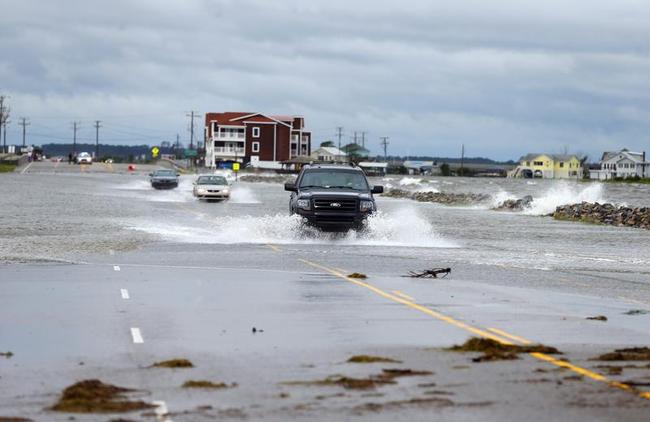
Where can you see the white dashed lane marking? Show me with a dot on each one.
(125, 294)
(161, 411)
(137, 335)
(116, 267)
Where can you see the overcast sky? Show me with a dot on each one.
(503, 77)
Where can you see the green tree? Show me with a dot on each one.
(445, 170)
(327, 144)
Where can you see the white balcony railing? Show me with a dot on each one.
(229, 150)
(227, 136)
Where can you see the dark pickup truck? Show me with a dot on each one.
(332, 197)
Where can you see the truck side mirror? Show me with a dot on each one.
(291, 187)
(377, 189)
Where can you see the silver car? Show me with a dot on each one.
(211, 187)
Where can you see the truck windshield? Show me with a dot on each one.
(334, 179)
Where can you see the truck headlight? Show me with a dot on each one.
(303, 203)
(365, 206)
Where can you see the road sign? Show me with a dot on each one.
(190, 153)
(155, 151)
(235, 166)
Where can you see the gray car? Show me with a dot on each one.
(164, 179)
(211, 187)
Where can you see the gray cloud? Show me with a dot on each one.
(504, 78)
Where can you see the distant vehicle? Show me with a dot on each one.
(84, 158)
(332, 197)
(164, 179)
(109, 161)
(211, 187)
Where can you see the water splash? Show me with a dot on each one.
(403, 228)
(564, 193)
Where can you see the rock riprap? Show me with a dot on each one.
(605, 214)
(439, 197)
(515, 204)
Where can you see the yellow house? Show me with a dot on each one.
(549, 166)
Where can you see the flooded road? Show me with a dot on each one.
(101, 276)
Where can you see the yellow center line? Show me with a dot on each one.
(510, 336)
(410, 304)
(275, 248)
(405, 296)
(484, 333)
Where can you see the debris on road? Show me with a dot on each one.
(348, 383)
(493, 350)
(173, 363)
(636, 312)
(13, 419)
(394, 405)
(631, 353)
(257, 330)
(371, 359)
(598, 318)
(207, 384)
(398, 372)
(357, 275)
(432, 273)
(93, 396)
(6, 354)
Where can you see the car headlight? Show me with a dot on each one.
(304, 204)
(226, 190)
(201, 190)
(367, 206)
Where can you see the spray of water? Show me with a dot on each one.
(564, 193)
(402, 228)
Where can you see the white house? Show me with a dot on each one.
(622, 164)
(330, 154)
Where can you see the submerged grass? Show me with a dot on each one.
(7, 167)
(357, 275)
(387, 376)
(371, 359)
(173, 363)
(93, 396)
(628, 354)
(493, 350)
(207, 384)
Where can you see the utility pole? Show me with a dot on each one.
(24, 123)
(192, 115)
(178, 144)
(355, 137)
(4, 134)
(97, 126)
(75, 126)
(363, 139)
(462, 160)
(4, 119)
(384, 143)
(339, 133)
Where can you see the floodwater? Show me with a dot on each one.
(64, 216)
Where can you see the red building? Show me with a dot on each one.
(256, 138)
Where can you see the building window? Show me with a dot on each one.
(256, 145)
(562, 164)
(256, 132)
(538, 163)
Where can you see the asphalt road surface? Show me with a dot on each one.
(102, 276)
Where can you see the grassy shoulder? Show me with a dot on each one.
(7, 167)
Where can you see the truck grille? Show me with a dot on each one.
(344, 205)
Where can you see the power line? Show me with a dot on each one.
(384, 144)
(75, 126)
(97, 126)
(24, 123)
(339, 133)
(192, 116)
